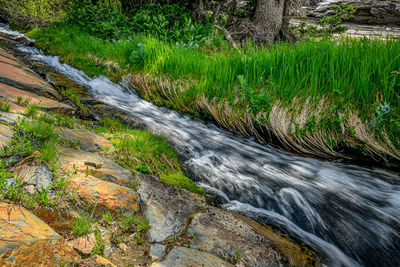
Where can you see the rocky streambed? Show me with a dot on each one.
(173, 227)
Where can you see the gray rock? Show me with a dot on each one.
(222, 234)
(6, 134)
(166, 208)
(38, 175)
(157, 251)
(183, 257)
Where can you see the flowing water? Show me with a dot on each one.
(349, 214)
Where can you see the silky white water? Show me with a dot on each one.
(349, 214)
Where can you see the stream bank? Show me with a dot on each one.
(92, 208)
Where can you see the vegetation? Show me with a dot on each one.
(339, 88)
(140, 151)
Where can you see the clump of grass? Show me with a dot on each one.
(83, 225)
(144, 152)
(4, 106)
(32, 110)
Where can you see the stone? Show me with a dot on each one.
(166, 208)
(103, 195)
(183, 257)
(38, 175)
(12, 94)
(221, 232)
(99, 166)
(84, 244)
(16, 75)
(88, 141)
(6, 133)
(157, 251)
(103, 261)
(11, 118)
(96, 261)
(123, 247)
(106, 236)
(25, 240)
(59, 220)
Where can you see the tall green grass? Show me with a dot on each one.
(358, 74)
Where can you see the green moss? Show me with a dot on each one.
(179, 180)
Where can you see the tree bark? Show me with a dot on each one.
(268, 18)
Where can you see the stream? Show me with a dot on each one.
(349, 214)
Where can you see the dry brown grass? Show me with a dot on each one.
(280, 122)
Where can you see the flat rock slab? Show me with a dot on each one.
(14, 74)
(88, 141)
(166, 208)
(84, 244)
(6, 133)
(12, 93)
(38, 175)
(220, 233)
(97, 165)
(25, 240)
(103, 195)
(184, 257)
(9, 117)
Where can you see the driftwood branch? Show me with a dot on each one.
(228, 36)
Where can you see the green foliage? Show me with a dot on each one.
(179, 180)
(329, 25)
(26, 14)
(83, 225)
(144, 226)
(4, 106)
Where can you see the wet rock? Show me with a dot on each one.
(157, 251)
(97, 165)
(103, 195)
(182, 257)
(11, 93)
(84, 244)
(221, 232)
(14, 74)
(38, 175)
(25, 41)
(25, 240)
(87, 140)
(166, 208)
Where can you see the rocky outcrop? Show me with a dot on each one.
(367, 12)
(102, 167)
(104, 196)
(86, 140)
(25, 240)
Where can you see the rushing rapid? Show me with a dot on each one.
(349, 214)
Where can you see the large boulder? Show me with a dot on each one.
(183, 257)
(166, 208)
(88, 141)
(99, 166)
(16, 75)
(103, 195)
(25, 240)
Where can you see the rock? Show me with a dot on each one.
(11, 118)
(183, 257)
(88, 141)
(25, 240)
(84, 244)
(99, 166)
(157, 251)
(38, 175)
(58, 220)
(11, 93)
(6, 133)
(222, 232)
(106, 236)
(25, 41)
(103, 195)
(16, 75)
(166, 208)
(123, 247)
(103, 261)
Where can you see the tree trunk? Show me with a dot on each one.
(267, 20)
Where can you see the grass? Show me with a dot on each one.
(141, 151)
(313, 96)
(83, 225)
